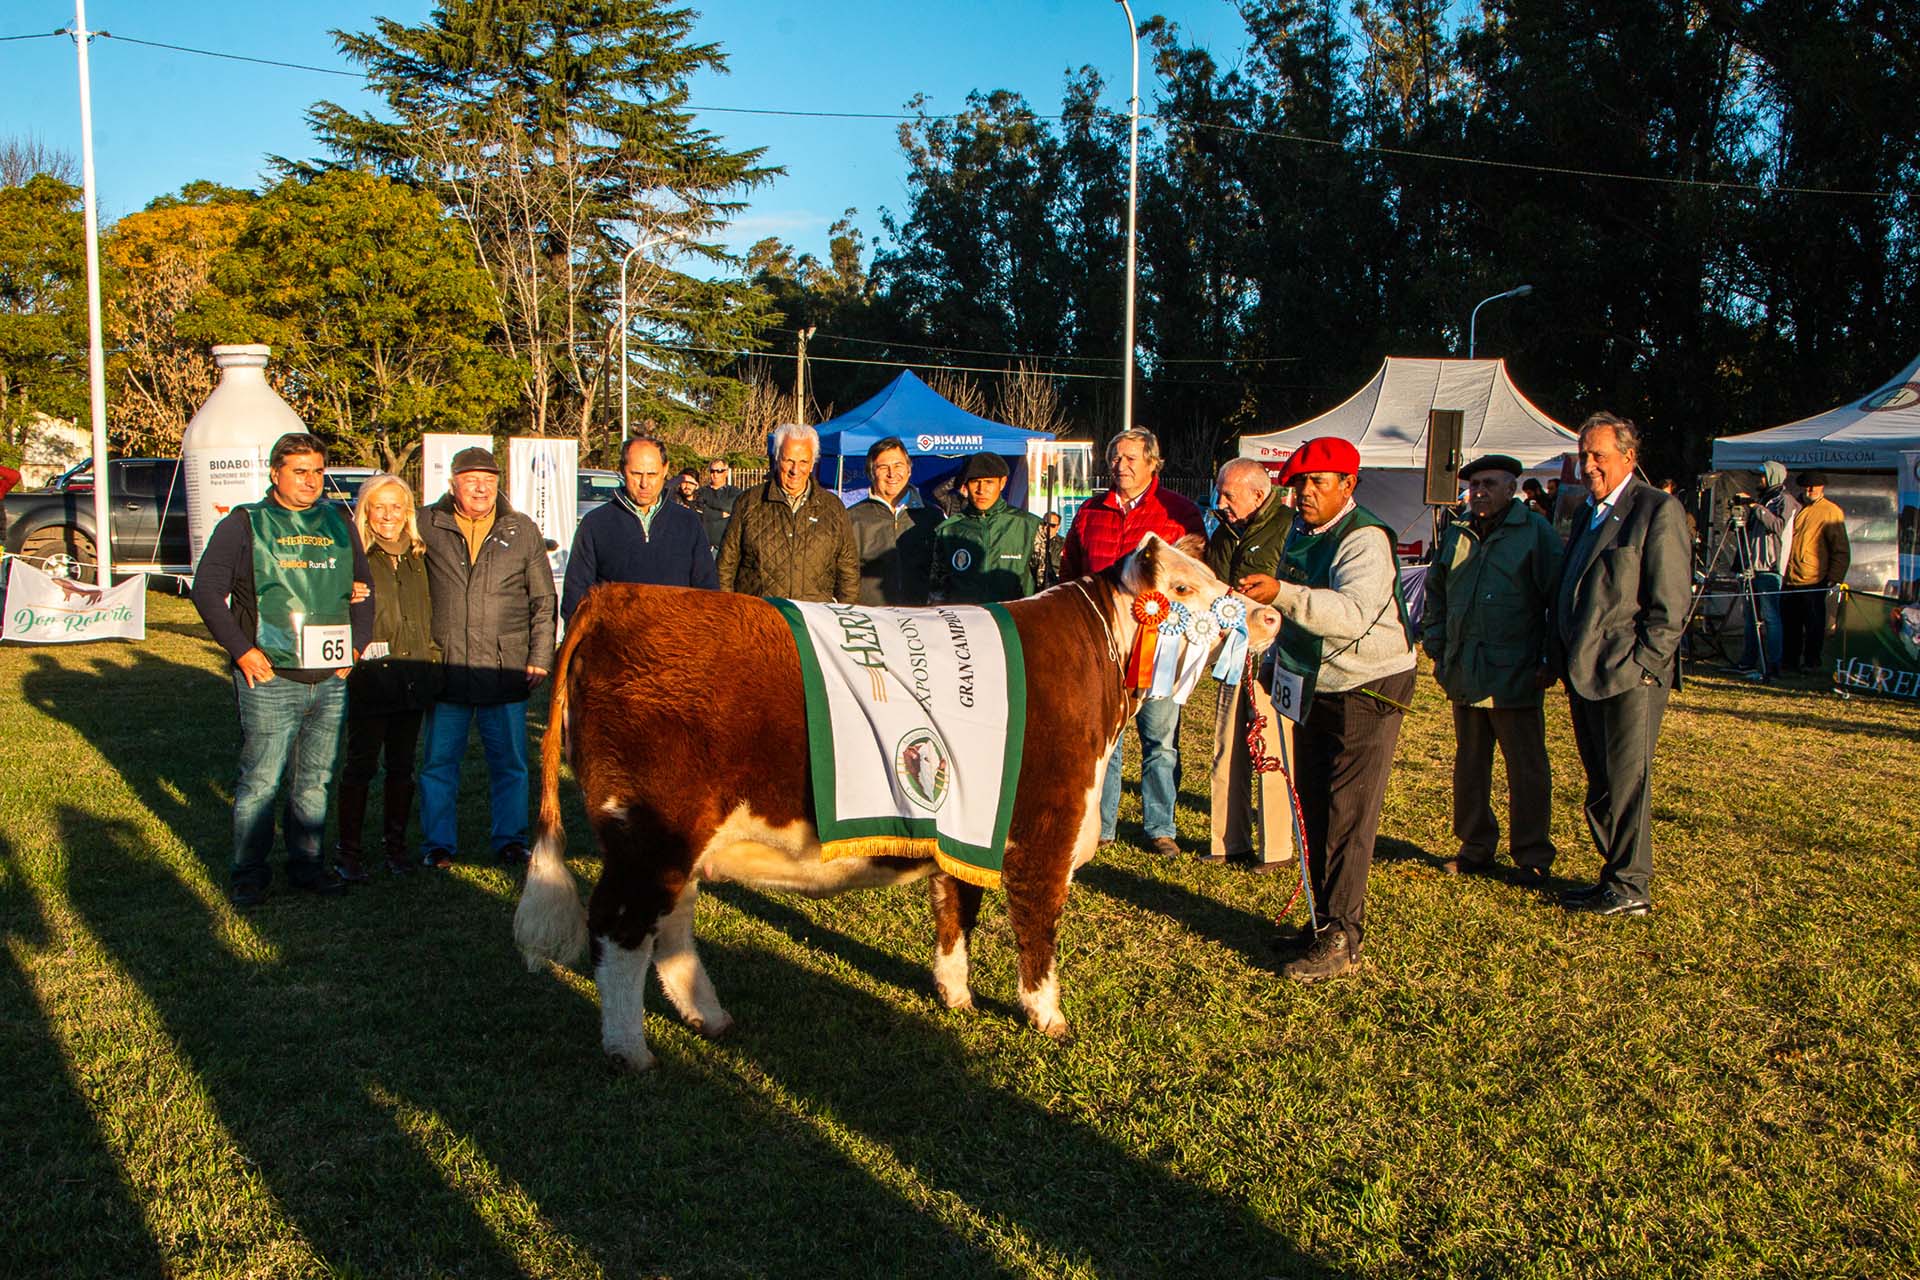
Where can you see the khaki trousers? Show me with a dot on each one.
(1233, 784)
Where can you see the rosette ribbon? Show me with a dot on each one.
(1172, 647)
(1150, 609)
(1231, 613)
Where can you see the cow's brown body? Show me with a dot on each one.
(683, 714)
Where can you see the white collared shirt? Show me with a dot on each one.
(1338, 516)
(1601, 510)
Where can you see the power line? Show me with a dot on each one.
(1031, 355)
(35, 35)
(1404, 153)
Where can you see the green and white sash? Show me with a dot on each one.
(916, 719)
(302, 580)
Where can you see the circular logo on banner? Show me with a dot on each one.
(962, 558)
(925, 442)
(1904, 396)
(920, 762)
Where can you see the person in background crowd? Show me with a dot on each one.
(1672, 489)
(1050, 547)
(1769, 530)
(1105, 530)
(686, 491)
(789, 537)
(990, 551)
(1614, 637)
(1344, 660)
(493, 619)
(1817, 561)
(395, 680)
(1244, 552)
(892, 529)
(715, 502)
(276, 586)
(637, 537)
(1535, 497)
(1484, 625)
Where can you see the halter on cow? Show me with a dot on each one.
(684, 714)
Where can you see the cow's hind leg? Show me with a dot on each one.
(682, 976)
(623, 917)
(956, 909)
(1034, 906)
(621, 974)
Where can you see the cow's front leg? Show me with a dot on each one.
(1034, 906)
(956, 909)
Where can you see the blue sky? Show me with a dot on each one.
(162, 118)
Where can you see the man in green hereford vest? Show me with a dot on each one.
(988, 552)
(1344, 674)
(276, 587)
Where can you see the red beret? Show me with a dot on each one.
(1324, 453)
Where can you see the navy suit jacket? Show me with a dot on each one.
(1624, 592)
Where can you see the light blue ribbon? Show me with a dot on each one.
(1231, 614)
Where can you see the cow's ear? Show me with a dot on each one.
(1142, 569)
(1192, 544)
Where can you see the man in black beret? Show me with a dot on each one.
(1485, 627)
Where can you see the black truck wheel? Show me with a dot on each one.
(60, 552)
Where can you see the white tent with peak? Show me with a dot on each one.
(1387, 421)
(1861, 435)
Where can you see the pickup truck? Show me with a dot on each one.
(53, 529)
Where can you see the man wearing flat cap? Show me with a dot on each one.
(1344, 673)
(987, 552)
(1485, 627)
(1818, 557)
(493, 618)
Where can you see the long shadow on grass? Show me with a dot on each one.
(1247, 932)
(65, 1207)
(1800, 720)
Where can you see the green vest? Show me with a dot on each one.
(984, 556)
(1308, 561)
(302, 578)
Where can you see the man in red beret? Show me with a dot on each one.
(1344, 674)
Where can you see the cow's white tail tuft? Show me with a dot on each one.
(550, 923)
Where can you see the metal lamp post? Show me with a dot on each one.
(1133, 198)
(1518, 291)
(649, 243)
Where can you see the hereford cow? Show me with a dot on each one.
(687, 726)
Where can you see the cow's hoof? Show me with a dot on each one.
(1056, 1030)
(633, 1060)
(960, 1001)
(715, 1030)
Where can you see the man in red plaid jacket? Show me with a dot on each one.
(1105, 530)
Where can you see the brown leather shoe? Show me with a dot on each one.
(1330, 956)
(1165, 846)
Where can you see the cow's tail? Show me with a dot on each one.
(550, 923)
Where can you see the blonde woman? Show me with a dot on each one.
(389, 693)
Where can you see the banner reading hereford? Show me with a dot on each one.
(45, 610)
(1879, 646)
(916, 719)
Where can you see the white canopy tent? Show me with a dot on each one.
(1861, 435)
(1387, 421)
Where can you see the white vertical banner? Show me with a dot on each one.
(436, 461)
(543, 481)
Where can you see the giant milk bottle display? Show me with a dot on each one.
(225, 449)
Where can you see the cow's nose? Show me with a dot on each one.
(1266, 620)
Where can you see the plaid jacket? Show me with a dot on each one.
(1102, 533)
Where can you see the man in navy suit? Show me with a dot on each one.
(1615, 639)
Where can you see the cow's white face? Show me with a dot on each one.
(1170, 570)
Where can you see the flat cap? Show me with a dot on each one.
(1323, 453)
(474, 459)
(983, 466)
(1492, 462)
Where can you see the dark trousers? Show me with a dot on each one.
(1616, 737)
(1803, 628)
(368, 738)
(1521, 733)
(1345, 753)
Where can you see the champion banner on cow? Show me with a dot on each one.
(1879, 646)
(46, 610)
(915, 724)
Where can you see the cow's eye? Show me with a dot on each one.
(1182, 589)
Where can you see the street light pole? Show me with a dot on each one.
(1133, 200)
(1518, 291)
(649, 243)
(96, 357)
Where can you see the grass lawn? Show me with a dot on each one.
(375, 1086)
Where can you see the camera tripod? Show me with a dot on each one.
(1733, 537)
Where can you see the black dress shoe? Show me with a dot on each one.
(1530, 877)
(1611, 902)
(1466, 866)
(512, 855)
(1573, 897)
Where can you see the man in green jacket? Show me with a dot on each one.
(987, 552)
(1485, 627)
(1244, 552)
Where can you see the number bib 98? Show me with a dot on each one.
(1289, 694)
(326, 646)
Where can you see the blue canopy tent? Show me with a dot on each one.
(938, 435)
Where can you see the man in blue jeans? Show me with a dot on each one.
(493, 618)
(276, 585)
(1770, 524)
